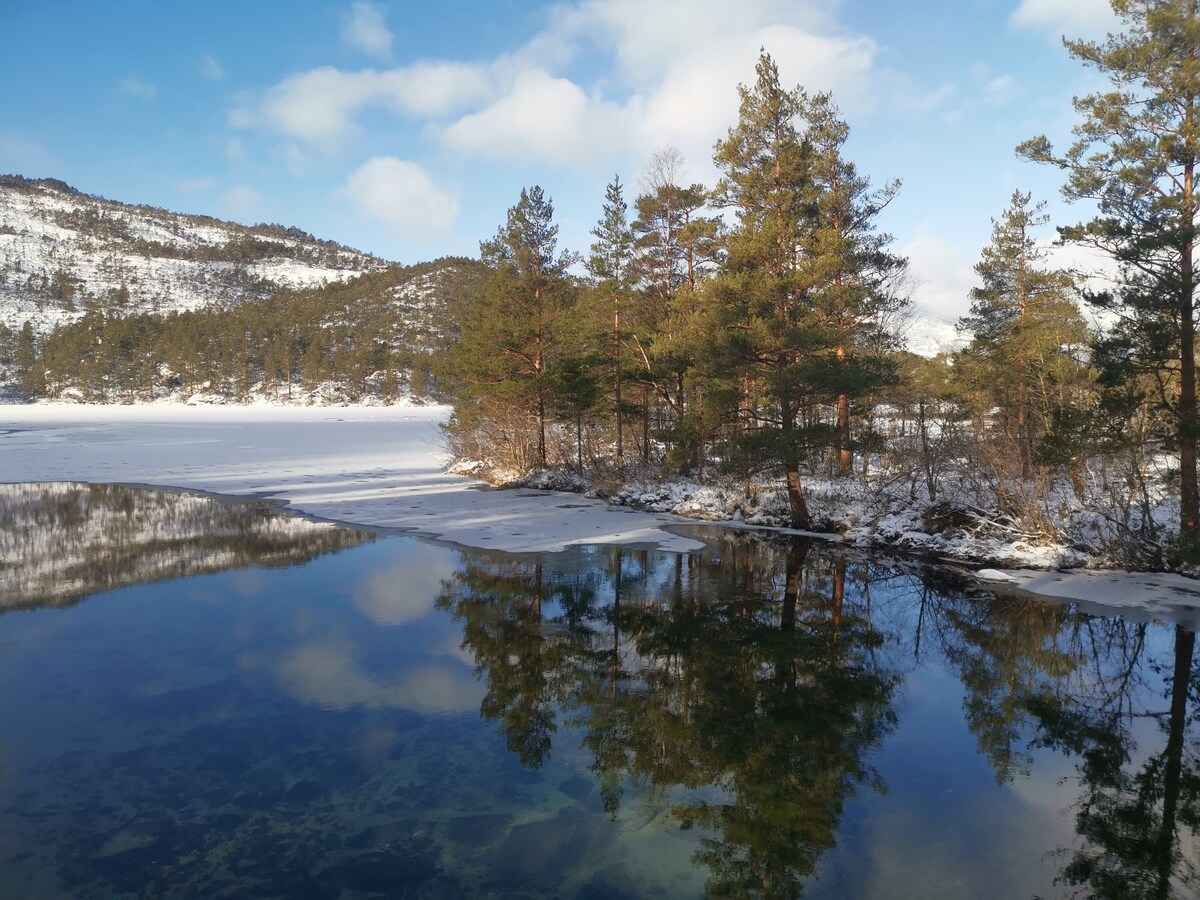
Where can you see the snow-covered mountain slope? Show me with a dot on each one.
(62, 250)
(927, 336)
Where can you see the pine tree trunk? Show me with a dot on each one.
(617, 380)
(541, 422)
(1189, 491)
(845, 454)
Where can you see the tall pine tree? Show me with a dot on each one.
(1024, 360)
(807, 284)
(611, 264)
(506, 351)
(1136, 154)
(763, 329)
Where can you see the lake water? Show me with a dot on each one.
(207, 699)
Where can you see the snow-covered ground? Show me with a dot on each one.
(373, 466)
(383, 467)
(1140, 596)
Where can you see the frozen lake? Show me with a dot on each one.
(381, 467)
(373, 466)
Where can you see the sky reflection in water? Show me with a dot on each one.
(400, 718)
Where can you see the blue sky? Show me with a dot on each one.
(407, 129)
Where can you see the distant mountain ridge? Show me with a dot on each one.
(63, 251)
(104, 301)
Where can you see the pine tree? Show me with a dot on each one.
(506, 350)
(1136, 156)
(799, 308)
(611, 264)
(676, 249)
(762, 327)
(1024, 359)
(856, 283)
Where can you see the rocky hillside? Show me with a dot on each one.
(63, 251)
(102, 300)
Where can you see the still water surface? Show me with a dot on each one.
(205, 699)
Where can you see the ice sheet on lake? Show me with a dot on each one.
(373, 466)
(382, 467)
(1145, 596)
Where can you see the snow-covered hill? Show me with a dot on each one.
(927, 336)
(62, 250)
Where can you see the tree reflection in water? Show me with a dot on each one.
(1040, 677)
(1137, 809)
(61, 542)
(744, 688)
(747, 691)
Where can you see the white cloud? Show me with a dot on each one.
(405, 591)
(328, 674)
(211, 69)
(402, 196)
(674, 81)
(363, 29)
(320, 106)
(197, 184)
(671, 75)
(999, 90)
(133, 86)
(650, 40)
(519, 127)
(241, 202)
(1074, 18)
(315, 106)
(943, 276)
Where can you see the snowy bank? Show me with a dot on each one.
(1139, 596)
(382, 467)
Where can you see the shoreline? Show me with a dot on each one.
(382, 468)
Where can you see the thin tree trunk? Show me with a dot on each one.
(541, 422)
(927, 461)
(617, 379)
(645, 423)
(1189, 491)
